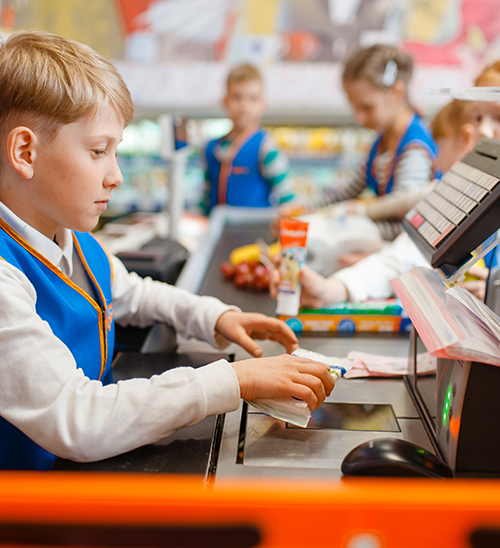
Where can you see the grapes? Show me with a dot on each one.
(250, 275)
(227, 270)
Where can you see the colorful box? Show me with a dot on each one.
(374, 315)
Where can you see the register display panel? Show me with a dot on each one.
(461, 212)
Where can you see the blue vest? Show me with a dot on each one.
(417, 134)
(83, 325)
(238, 180)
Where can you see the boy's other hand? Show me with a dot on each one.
(282, 377)
(242, 327)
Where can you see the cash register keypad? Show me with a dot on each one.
(453, 199)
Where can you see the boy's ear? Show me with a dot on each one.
(21, 151)
(468, 135)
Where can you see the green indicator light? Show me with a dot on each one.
(446, 405)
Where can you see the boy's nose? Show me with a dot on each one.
(114, 178)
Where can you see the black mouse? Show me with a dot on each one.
(392, 457)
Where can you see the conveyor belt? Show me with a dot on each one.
(215, 285)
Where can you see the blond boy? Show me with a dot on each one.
(62, 113)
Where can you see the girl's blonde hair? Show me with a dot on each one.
(490, 74)
(56, 81)
(380, 64)
(451, 118)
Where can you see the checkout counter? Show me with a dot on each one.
(248, 443)
(246, 479)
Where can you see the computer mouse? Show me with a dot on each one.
(392, 457)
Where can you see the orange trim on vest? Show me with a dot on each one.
(227, 164)
(103, 325)
(108, 254)
(389, 167)
(15, 236)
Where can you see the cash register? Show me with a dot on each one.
(459, 402)
(452, 415)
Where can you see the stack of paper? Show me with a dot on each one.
(373, 365)
(451, 322)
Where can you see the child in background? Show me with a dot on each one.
(245, 168)
(456, 133)
(404, 155)
(62, 113)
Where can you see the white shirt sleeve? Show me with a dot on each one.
(46, 396)
(370, 278)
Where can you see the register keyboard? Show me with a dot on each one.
(461, 212)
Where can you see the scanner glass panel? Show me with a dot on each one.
(353, 416)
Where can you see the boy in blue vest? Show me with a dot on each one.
(62, 113)
(245, 168)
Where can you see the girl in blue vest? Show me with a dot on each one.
(245, 168)
(403, 155)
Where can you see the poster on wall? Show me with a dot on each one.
(176, 52)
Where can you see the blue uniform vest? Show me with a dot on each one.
(417, 134)
(238, 180)
(83, 325)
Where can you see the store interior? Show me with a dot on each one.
(255, 476)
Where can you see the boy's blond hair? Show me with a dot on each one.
(450, 119)
(243, 73)
(53, 81)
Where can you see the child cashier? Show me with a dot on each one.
(62, 113)
(245, 168)
(403, 156)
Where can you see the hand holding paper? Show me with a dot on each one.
(293, 410)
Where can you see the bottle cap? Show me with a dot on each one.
(287, 304)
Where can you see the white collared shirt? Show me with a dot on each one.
(46, 396)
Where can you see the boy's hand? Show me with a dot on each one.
(282, 377)
(242, 328)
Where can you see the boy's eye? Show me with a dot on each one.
(98, 152)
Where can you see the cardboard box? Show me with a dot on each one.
(375, 315)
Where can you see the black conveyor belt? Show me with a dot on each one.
(215, 285)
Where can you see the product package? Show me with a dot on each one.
(296, 411)
(373, 315)
(293, 241)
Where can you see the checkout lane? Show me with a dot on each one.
(253, 444)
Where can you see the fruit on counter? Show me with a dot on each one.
(251, 275)
(250, 253)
